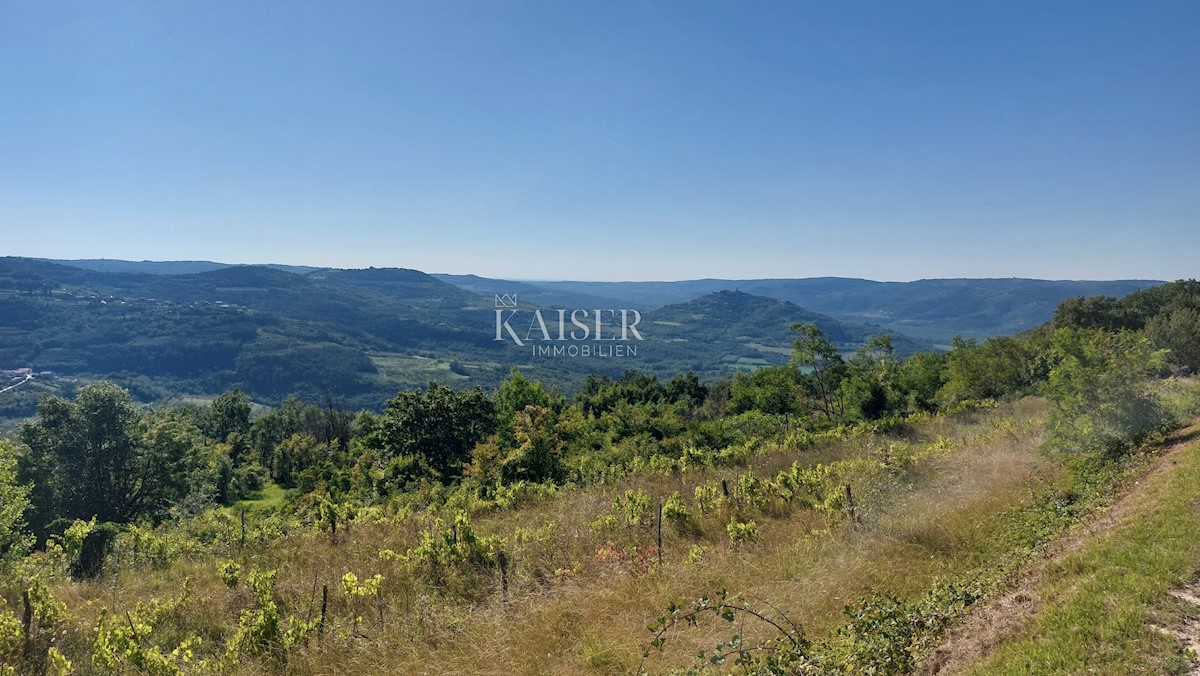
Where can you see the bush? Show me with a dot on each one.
(94, 550)
(742, 532)
(676, 513)
(1101, 392)
(85, 545)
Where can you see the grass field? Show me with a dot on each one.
(948, 514)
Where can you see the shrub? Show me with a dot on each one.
(1101, 394)
(740, 532)
(676, 513)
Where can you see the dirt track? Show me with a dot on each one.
(988, 624)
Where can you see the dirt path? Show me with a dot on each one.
(978, 633)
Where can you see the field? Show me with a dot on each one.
(947, 512)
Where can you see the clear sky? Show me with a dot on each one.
(608, 140)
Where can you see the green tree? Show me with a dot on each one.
(96, 456)
(778, 390)
(517, 392)
(293, 456)
(601, 394)
(535, 453)
(1000, 367)
(869, 386)
(15, 539)
(1101, 391)
(1144, 305)
(172, 444)
(271, 428)
(918, 380)
(1134, 311)
(438, 427)
(687, 389)
(826, 368)
(326, 425)
(1094, 312)
(1178, 331)
(229, 416)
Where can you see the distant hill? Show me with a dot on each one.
(939, 309)
(933, 310)
(355, 335)
(359, 336)
(163, 267)
(740, 316)
(534, 293)
(737, 329)
(930, 309)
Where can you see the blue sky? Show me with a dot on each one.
(615, 140)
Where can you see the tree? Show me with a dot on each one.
(1100, 391)
(686, 388)
(1142, 306)
(918, 380)
(811, 350)
(533, 454)
(777, 390)
(15, 540)
(1000, 367)
(1093, 312)
(1179, 332)
(438, 426)
(326, 425)
(229, 414)
(539, 451)
(1133, 312)
(176, 449)
(271, 428)
(96, 456)
(527, 444)
(517, 392)
(869, 386)
(293, 456)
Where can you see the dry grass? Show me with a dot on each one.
(570, 612)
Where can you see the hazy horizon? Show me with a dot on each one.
(534, 280)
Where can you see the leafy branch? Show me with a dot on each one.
(788, 642)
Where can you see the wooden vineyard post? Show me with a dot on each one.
(660, 548)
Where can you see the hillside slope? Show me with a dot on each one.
(929, 309)
(1117, 596)
(356, 336)
(941, 516)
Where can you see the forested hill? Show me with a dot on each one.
(757, 327)
(930, 309)
(933, 310)
(164, 267)
(355, 336)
